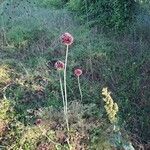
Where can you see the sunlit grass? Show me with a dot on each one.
(4, 74)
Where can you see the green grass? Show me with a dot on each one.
(30, 47)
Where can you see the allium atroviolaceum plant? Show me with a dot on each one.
(66, 39)
(78, 73)
(110, 106)
(59, 65)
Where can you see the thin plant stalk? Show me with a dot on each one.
(62, 92)
(65, 89)
(80, 88)
(50, 140)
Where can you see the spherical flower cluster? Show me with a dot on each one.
(38, 122)
(78, 72)
(59, 65)
(67, 39)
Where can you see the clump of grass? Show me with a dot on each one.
(4, 74)
(5, 117)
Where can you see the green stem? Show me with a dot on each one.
(80, 88)
(50, 140)
(65, 88)
(62, 92)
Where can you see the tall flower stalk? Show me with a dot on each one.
(78, 73)
(65, 88)
(67, 40)
(80, 88)
(62, 92)
(59, 65)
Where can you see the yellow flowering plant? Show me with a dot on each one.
(110, 106)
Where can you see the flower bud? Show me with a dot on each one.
(59, 65)
(38, 122)
(67, 39)
(78, 72)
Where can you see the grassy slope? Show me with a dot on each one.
(119, 62)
